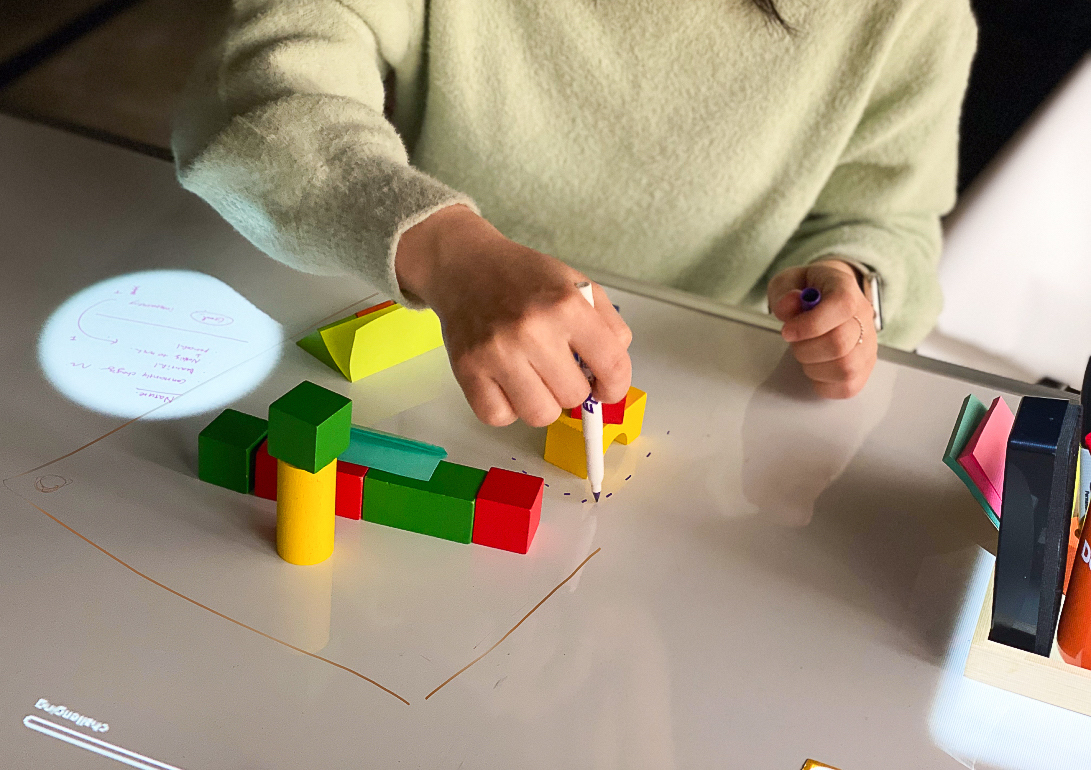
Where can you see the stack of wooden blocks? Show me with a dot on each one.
(293, 458)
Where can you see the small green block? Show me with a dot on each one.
(226, 449)
(442, 507)
(309, 426)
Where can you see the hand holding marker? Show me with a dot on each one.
(591, 414)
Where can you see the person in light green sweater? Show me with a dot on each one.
(472, 156)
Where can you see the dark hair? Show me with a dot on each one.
(769, 8)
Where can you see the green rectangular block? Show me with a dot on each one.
(442, 507)
(309, 426)
(226, 450)
(972, 412)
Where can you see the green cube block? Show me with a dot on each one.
(309, 426)
(443, 506)
(227, 448)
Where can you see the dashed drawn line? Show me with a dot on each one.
(510, 632)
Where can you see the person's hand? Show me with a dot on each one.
(512, 317)
(835, 342)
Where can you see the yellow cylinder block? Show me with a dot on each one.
(305, 513)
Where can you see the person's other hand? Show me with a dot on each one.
(835, 342)
(512, 317)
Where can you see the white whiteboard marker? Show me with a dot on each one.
(591, 414)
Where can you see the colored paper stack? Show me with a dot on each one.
(1024, 471)
(310, 459)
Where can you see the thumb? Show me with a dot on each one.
(788, 306)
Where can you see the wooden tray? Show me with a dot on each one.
(1050, 680)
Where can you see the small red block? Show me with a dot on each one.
(507, 511)
(265, 473)
(612, 414)
(373, 308)
(350, 490)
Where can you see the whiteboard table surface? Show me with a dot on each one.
(758, 588)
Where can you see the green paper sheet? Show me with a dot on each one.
(972, 412)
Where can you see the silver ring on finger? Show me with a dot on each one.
(861, 323)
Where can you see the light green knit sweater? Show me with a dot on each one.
(690, 144)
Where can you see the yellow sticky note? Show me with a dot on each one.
(811, 764)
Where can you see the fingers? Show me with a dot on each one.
(839, 362)
(487, 400)
(838, 305)
(831, 346)
(608, 360)
(611, 317)
(784, 290)
(835, 341)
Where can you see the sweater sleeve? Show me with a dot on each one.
(897, 174)
(282, 132)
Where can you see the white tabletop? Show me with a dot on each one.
(773, 578)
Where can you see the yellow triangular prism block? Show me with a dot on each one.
(364, 345)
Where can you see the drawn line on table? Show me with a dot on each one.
(79, 323)
(175, 328)
(157, 583)
(80, 449)
(218, 614)
(509, 633)
(336, 313)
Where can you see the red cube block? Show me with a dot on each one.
(265, 473)
(507, 511)
(612, 414)
(350, 490)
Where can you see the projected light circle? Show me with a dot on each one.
(174, 341)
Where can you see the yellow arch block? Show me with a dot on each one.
(305, 513)
(564, 438)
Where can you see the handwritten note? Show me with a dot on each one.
(135, 342)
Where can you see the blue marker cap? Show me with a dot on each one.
(810, 298)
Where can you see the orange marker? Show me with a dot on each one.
(1074, 630)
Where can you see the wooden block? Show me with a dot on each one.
(612, 414)
(1039, 483)
(379, 338)
(983, 457)
(508, 509)
(350, 483)
(227, 448)
(265, 473)
(350, 489)
(441, 507)
(309, 426)
(969, 417)
(305, 513)
(373, 308)
(564, 439)
(393, 454)
(1047, 679)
